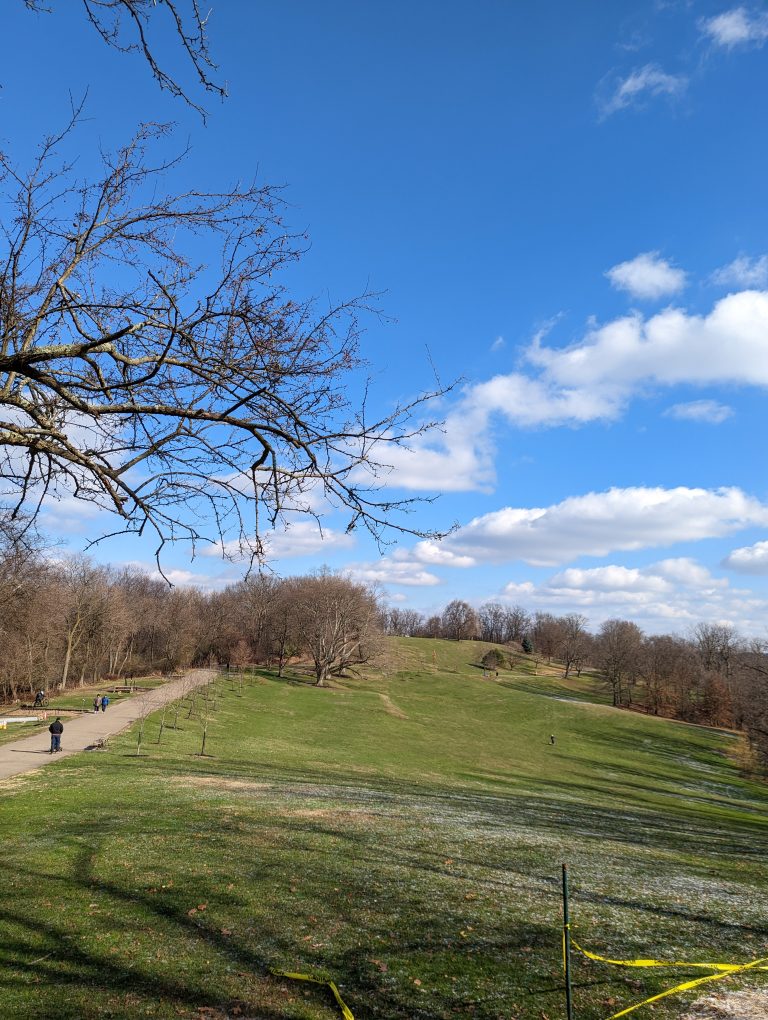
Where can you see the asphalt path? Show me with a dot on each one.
(83, 732)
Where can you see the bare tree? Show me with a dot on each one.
(493, 622)
(131, 26)
(618, 649)
(196, 402)
(547, 634)
(573, 640)
(459, 621)
(517, 624)
(336, 618)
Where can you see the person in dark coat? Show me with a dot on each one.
(56, 729)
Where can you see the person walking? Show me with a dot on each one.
(56, 729)
(104, 703)
(97, 703)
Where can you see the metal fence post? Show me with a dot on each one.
(567, 946)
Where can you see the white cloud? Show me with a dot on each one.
(592, 379)
(644, 82)
(528, 402)
(709, 411)
(743, 272)
(183, 578)
(670, 595)
(599, 523)
(647, 276)
(498, 344)
(299, 538)
(737, 27)
(456, 459)
(390, 571)
(612, 578)
(669, 348)
(437, 554)
(751, 559)
(687, 571)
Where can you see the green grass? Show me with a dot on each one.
(17, 731)
(82, 697)
(401, 835)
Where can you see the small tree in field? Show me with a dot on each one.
(208, 707)
(493, 659)
(144, 702)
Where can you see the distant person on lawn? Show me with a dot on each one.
(39, 697)
(104, 703)
(97, 703)
(56, 729)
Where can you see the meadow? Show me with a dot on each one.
(400, 833)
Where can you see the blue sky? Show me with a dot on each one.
(565, 205)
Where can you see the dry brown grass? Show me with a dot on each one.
(749, 1004)
(220, 783)
(391, 708)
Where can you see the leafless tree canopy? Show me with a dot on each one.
(152, 363)
(132, 26)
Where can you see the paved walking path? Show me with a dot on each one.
(84, 731)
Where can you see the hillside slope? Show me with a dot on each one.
(401, 834)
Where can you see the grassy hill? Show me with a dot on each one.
(401, 834)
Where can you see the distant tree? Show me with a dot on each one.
(716, 643)
(459, 621)
(493, 659)
(527, 645)
(572, 640)
(338, 620)
(492, 620)
(402, 622)
(432, 627)
(284, 637)
(618, 648)
(751, 667)
(547, 634)
(517, 624)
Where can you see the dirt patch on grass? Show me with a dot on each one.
(218, 783)
(391, 708)
(744, 1005)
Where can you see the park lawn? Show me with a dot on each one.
(81, 698)
(401, 835)
(17, 731)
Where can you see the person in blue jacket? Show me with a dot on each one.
(104, 703)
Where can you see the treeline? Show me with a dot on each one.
(713, 676)
(70, 622)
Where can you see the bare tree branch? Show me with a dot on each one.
(152, 363)
(131, 26)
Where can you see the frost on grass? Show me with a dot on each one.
(743, 1005)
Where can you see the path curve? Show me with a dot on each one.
(84, 731)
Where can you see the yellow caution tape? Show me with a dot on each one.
(346, 1012)
(691, 984)
(728, 967)
(722, 970)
